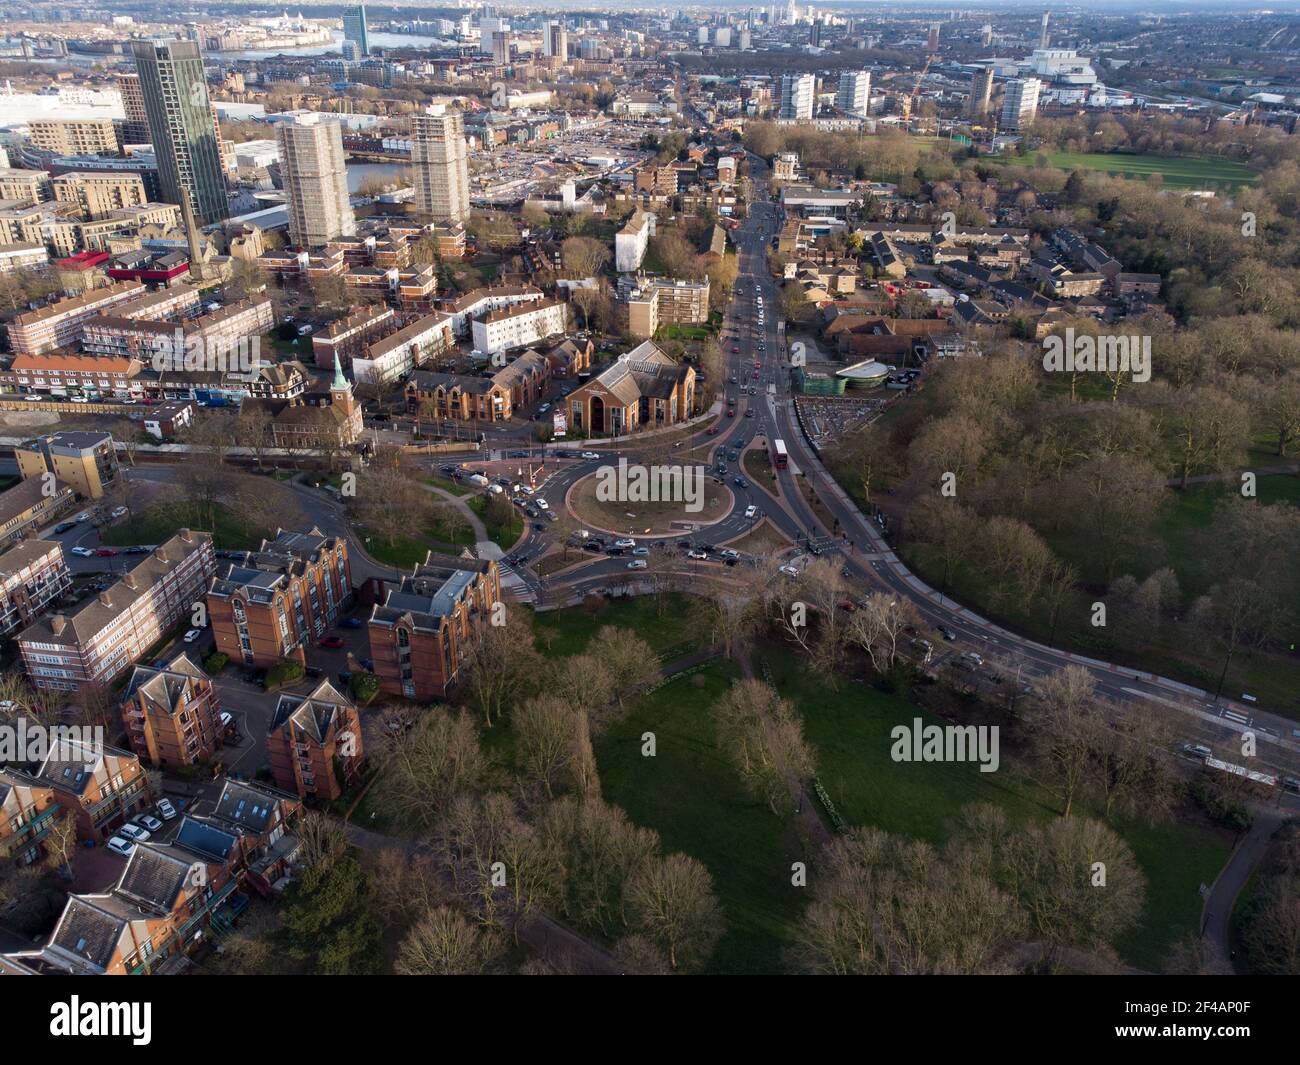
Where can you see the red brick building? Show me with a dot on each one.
(172, 714)
(423, 633)
(314, 744)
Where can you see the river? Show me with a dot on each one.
(377, 40)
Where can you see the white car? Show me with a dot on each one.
(638, 564)
(542, 504)
(625, 542)
(83, 552)
(226, 719)
(751, 512)
(789, 571)
(193, 635)
(134, 833)
(166, 809)
(148, 822)
(119, 845)
(83, 516)
(119, 512)
(590, 455)
(697, 554)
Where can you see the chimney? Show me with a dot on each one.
(57, 623)
(105, 598)
(129, 580)
(185, 536)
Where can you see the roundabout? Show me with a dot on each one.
(635, 509)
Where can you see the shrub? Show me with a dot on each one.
(363, 686)
(285, 671)
(216, 662)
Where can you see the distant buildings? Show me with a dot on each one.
(555, 41)
(315, 180)
(1020, 104)
(854, 93)
(441, 162)
(355, 28)
(798, 96)
(631, 241)
(981, 93)
(181, 126)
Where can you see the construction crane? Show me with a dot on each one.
(908, 101)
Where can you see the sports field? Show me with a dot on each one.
(1181, 171)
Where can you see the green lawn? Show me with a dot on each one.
(689, 793)
(504, 533)
(403, 552)
(1179, 171)
(158, 522)
(850, 730)
(448, 485)
(567, 632)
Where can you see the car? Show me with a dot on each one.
(789, 571)
(527, 489)
(614, 551)
(749, 413)
(134, 833)
(148, 823)
(552, 516)
(642, 551)
(728, 552)
(638, 563)
(351, 623)
(542, 504)
(740, 482)
(82, 517)
(1291, 784)
(106, 552)
(947, 633)
(119, 512)
(590, 455)
(83, 552)
(305, 330)
(226, 719)
(626, 541)
(192, 635)
(166, 810)
(973, 658)
(697, 554)
(334, 642)
(730, 414)
(751, 512)
(121, 845)
(64, 526)
(1197, 750)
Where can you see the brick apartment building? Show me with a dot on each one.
(172, 714)
(459, 397)
(290, 591)
(60, 324)
(423, 633)
(314, 744)
(99, 641)
(347, 337)
(644, 388)
(29, 809)
(33, 575)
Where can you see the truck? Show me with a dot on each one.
(478, 480)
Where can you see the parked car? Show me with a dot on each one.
(148, 823)
(64, 526)
(696, 554)
(947, 633)
(641, 551)
(639, 563)
(193, 635)
(83, 552)
(625, 542)
(972, 658)
(352, 623)
(226, 719)
(166, 810)
(541, 503)
(332, 642)
(121, 845)
(590, 455)
(1197, 750)
(134, 833)
(119, 512)
(106, 552)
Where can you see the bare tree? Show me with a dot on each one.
(428, 766)
(671, 901)
(762, 735)
(445, 943)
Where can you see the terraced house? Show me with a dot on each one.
(170, 898)
(101, 786)
(288, 592)
(423, 634)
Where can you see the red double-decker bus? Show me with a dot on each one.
(780, 457)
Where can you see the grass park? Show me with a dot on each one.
(1192, 172)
